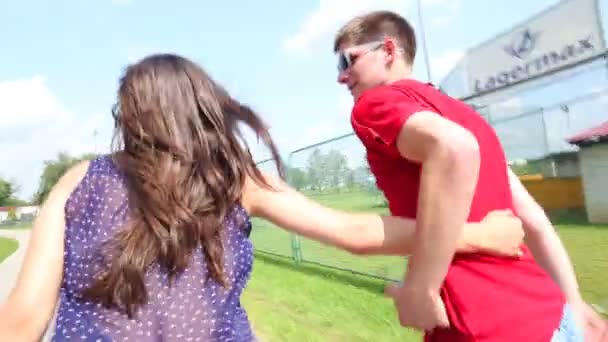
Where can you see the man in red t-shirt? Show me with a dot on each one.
(438, 161)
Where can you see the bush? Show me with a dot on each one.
(12, 214)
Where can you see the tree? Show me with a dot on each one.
(12, 214)
(315, 169)
(327, 171)
(8, 189)
(526, 168)
(54, 170)
(351, 181)
(297, 178)
(336, 168)
(368, 181)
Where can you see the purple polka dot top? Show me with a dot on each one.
(193, 308)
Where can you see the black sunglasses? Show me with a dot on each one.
(346, 59)
(116, 113)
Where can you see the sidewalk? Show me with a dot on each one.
(9, 268)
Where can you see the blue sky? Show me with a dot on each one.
(62, 60)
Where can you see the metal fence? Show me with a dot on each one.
(533, 122)
(333, 173)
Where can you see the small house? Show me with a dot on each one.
(593, 161)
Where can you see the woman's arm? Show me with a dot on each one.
(25, 314)
(369, 234)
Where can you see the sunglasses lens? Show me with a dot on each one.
(343, 62)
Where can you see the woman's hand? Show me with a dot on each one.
(500, 233)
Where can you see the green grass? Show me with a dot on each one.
(311, 303)
(288, 302)
(16, 226)
(268, 238)
(587, 246)
(7, 247)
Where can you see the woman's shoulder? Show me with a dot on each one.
(91, 176)
(71, 179)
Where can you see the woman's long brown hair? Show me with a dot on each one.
(186, 163)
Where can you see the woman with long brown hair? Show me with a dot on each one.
(151, 242)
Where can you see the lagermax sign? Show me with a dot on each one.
(565, 34)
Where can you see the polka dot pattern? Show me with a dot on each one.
(193, 308)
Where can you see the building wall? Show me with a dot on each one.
(562, 167)
(594, 168)
(555, 193)
(33, 210)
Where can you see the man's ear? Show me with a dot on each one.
(390, 49)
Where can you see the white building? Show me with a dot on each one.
(593, 159)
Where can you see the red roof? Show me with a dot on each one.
(591, 135)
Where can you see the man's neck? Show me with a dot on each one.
(400, 72)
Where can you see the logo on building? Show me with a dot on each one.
(523, 44)
(544, 59)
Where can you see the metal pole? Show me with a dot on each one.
(547, 146)
(296, 246)
(423, 41)
(95, 141)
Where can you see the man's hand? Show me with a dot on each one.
(418, 309)
(594, 326)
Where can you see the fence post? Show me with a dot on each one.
(296, 248)
(296, 251)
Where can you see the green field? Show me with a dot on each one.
(16, 226)
(268, 238)
(7, 247)
(306, 302)
(311, 303)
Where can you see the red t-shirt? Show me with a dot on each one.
(487, 298)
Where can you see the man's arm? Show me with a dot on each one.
(450, 160)
(543, 241)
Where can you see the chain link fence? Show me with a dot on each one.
(534, 120)
(267, 237)
(334, 173)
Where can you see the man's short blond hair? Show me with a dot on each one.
(376, 26)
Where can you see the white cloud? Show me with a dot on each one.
(35, 126)
(319, 27)
(29, 101)
(443, 63)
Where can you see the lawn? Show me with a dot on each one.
(307, 302)
(268, 238)
(311, 303)
(7, 247)
(15, 225)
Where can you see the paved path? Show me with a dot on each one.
(9, 268)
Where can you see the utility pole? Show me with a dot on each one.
(423, 41)
(95, 141)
